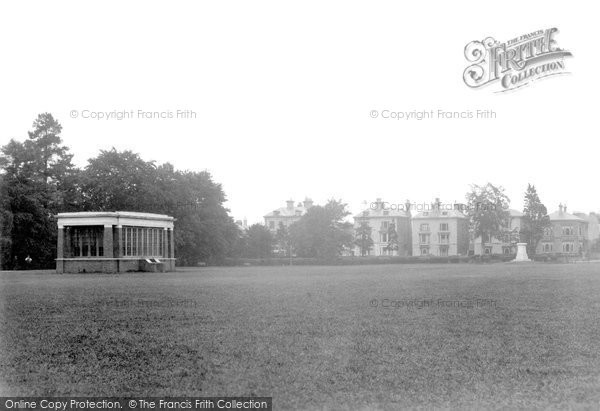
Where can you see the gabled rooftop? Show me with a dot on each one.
(437, 210)
(562, 215)
(291, 210)
(381, 209)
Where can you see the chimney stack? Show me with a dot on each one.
(407, 207)
(308, 203)
(560, 208)
(290, 204)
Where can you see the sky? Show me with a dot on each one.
(282, 95)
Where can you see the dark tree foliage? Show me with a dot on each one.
(535, 220)
(122, 181)
(363, 239)
(488, 211)
(322, 232)
(260, 242)
(282, 239)
(38, 180)
(392, 234)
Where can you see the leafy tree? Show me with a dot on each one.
(362, 238)
(321, 232)
(239, 245)
(392, 235)
(5, 226)
(260, 241)
(535, 220)
(123, 181)
(282, 239)
(487, 211)
(39, 180)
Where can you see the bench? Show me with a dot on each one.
(152, 265)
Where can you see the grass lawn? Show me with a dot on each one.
(311, 337)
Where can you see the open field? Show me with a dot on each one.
(311, 337)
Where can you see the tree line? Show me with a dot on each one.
(38, 180)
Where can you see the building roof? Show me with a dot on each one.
(562, 215)
(126, 214)
(287, 212)
(515, 213)
(115, 218)
(436, 213)
(380, 213)
(291, 210)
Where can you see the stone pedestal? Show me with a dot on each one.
(521, 253)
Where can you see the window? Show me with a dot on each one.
(424, 238)
(444, 251)
(444, 227)
(444, 238)
(548, 231)
(547, 247)
(386, 213)
(143, 241)
(568, 247)
(84, 241)
(444, 213)
(567, 230)
(424, 251)
(580, 230)
(506, 250)
(272, 225)
(424, 227)
(488, 250)
(385, 225)
(384, 237)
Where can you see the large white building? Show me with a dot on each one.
(385, 222)
(440, 232)
(287, 215)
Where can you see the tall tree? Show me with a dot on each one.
(282, 239)
(535, 220)
(39, 180)
(392, 236)
(124, 181)
(5, 226)
(487, 211)
(260, 241)
(322, 231)
(363, 239)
